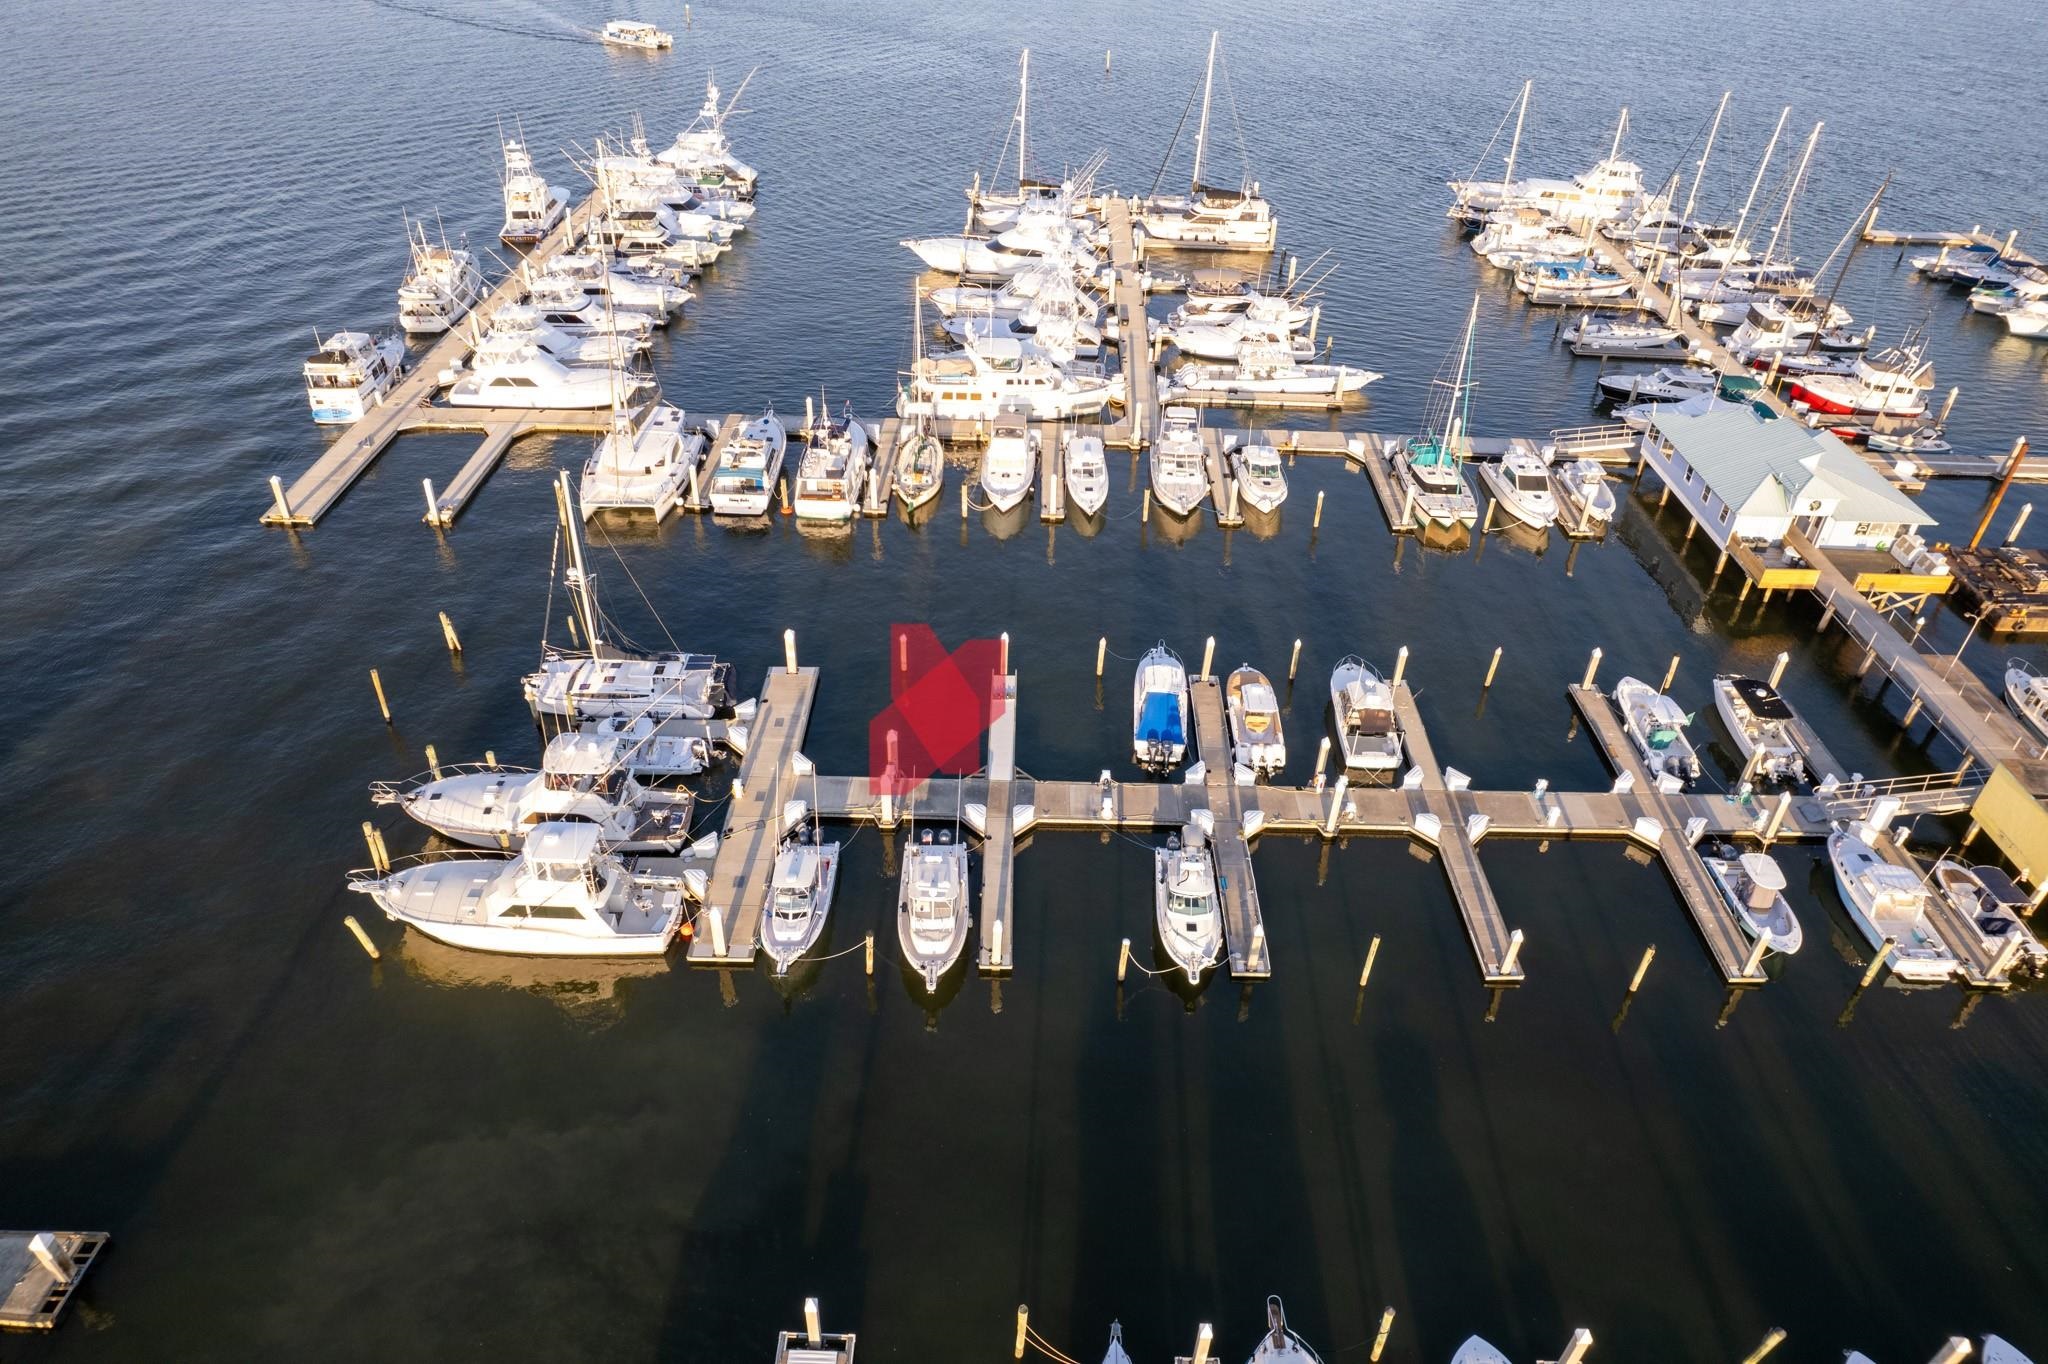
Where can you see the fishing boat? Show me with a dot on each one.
(1888, 904)
(1656, 726)
(1267, 369)
(508, 371)
(1260, 479)
(1893, 384)
(703, 155)
(1667, 384)
(1180, 476)
(636, 284)
(1227, 336)
(1515, 235)
(1252, 710)
(643, 463)
(977, 384)
(1087, 472)
(565, 305)
(562, 894)
(582, 778)
(799, 898)
(1760, 722)
(932, 917)
(441, 285)
(1779, 326)
(1185, 906)
(749, 467)
(523, 323)
(1753, 885)
(1572, 281)
(920, 468)
(350, 373)
(2026, 691)
(1009, 466)
(1279, 1345)
(1209, 215)
(1159, 710)
(633, 33)
(1585, 495)
(1520, 483)
(658, 750)
(1995, 909)
(1368, 729)
(833, 471)
(1217, 297)
(533, 207)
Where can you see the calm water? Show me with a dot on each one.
(304, 1154)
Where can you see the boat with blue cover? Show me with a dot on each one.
(1159, 710)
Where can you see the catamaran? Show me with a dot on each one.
(533, 207)
(1159, 710)
(1761, 724)
(1520, 483)
(441, 285)
(1888, 904)
(1428, 469)
(350, 373)
(1368, 728)
(932, 917)
(834, 469)
(1252, 710)
(749, 466)
(645, 462)
(1260, 479)
(1180, 478)
(1208, 215)
(1656, 726)
(1009, 466)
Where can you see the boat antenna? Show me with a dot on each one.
(1868, 215)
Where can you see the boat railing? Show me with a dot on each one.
(1582, 440)
(1930, 793)
(361, 877)
(389, 792)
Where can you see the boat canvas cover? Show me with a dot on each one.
(1362, 715)
(1763, 701)
(1159, 719)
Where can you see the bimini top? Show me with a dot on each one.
(1763, 701)
(1159, 719)
(562, 843)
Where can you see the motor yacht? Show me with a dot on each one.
(1368, 728)
(799, 900)
(507, 371)
(1087, 472)
(533, 207)
(932, 913)
(1009, 466)
(1888, 903)
(1261, 480)
(350, 373)
(2026, 692)
(1520, 483)
(1180, 474)
(834, 469)
(632, 33)
(441, 285)
(1269, 369)
(749, 467)
(1666, 384)
(979, 384)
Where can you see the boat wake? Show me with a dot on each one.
(563, 32)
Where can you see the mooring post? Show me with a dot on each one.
(1751, 964)
(1258, 947)
(1322, 757)
(1514, 953)
(1294, 660)
(1771, 1342)
(1023, 1325)
(1205, 1340)
(789, 651)
(1592, 666)
(284, 506)
(433, 506)
(1877, 962)
(871, 953)
(362, 937)
(1575, 1348)
(383, 706)
(717, 931)
(1336, 804)
(812, 1335)
(1144, 514)
(1778, 814)
(1379, 1342)
(1314, 524)
(1208, 656)
(1955, 1352)
(1003, 669)
(370, 840)
(2018, 521)
(433, 762)
(963, 499)
(1491, 669)
(1778, 667)
(1400, 664)
(1372, 951)
(1669, 674)
(1123, 960)
(1642, 968)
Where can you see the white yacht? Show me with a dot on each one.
(1568, 281)
(1184, 900)
(522, 322)
(533, 207)
(510, 372)
(1159, 710)
(1759, 720)
(932, 915)
(1180, 473)
(978, 384)
(920, 467)
(1520, 484)
(1667, 384)
(1368, 730)
(1888, 901)
(441, 285)
(1280, 1345)
(643, 463)
(833, 471)
(1252, 710)
(569, 309)
(2028, 319)
(1236, 218)
(799, 899)
(749, 467)
(1754, 887)
(633, 33)
(1230, 335)
(1261, 480)
(1429, 469)
(1010, 464)
(1216, 296)
(1656, 726)
(703, 154)
(1585, 495)
(351, 373)
(2026, 691)
(561, 895)
(1269, 369)
(629, 284)
(1477, 1350)
(583, 778)
(1087, 472)
(1622, 336)
(1993, 906)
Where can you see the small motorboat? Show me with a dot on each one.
(749, 467)
(932, 917)
(1159, 710)
(1925, 440)
(1253, 712)
(1656, 726)
(1186, 909)
(1598, 335)
(1368, 731)
(1279, 1345)
(1180, 478)
(833, 471)
(1260, 479)
(1887, 902)
(1665, 384)
(799, 897)
(1760, 722)
(632, 33)
(1585, 495)
(2026, 691)
(920, 465)
(1010, 464)
(1086, 470)
(1520, 484)
(1988, 900)
(1754, 887)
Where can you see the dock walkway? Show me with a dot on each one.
(997, 954)
(1134, 333)
(1244, 925)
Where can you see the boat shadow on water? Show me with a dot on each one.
(591, 991)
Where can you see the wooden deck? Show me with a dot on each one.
(1244, 926)
(1134, 334)
(32, 1297)
(997, 954)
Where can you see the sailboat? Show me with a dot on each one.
(1280, 1345)
(644, 461)
(1239, 219)
(1428, 469)
(995, 210)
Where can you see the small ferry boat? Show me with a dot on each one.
(1087, 472)
(440, 287)
(533, 207)
(561, 895)
(920, 470)
(799, 898)
(1252, 710)
(932, 915)
(633, 33)
(1520, 484)
(1585, 495)
(1758, 719)
(1009, 466)
(1180, 477)
(1368, 731)
(1261, 480)
(643, 463)
(1888, 901)
(749, 467)
(582, 778)
(1754, 887)
(1656, 726)
(2026, 691)
(351, 373)
(1279, 1345)
(1994, 907)
(834, 469)
(1159, 710)
(1185, 906)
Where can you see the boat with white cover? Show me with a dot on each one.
(1760, 721)
(1656, 726)
(507, 371)
(633, 33)
(1888, 902)
(1568, 282)
(1009, 466)
(1159, 710)
(1185, 905)
(1280, 1345)
(932, 916)
(1214, 297)
(533, 207)
(565, 305)
(643, 463)
(441, 285)
(350, 373)
(1261, 480)
(1585, 495)
(1087, 472)
(1520, 483)
(1895, 383)
(834, 469)
(1180, 475)
(799, 897)
(1622, 336)
(1753, 885)
(1368, 729)
(749, 466)
(1995, 909)
(1252, 710)
(561, 895)
(582, 778)
(2026, 691)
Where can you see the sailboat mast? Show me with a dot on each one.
(1023, 119)
(1202, 132)
(1700, 171)
(1619, 128)
(1791, 193)
(579, 575)
(1451, 414)
(1515, 146)
(1770, 147)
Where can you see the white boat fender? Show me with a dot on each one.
(1197, 774)
(705, 847)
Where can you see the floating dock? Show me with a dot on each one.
(1244, 925)
(40, 1271)
(2006, 586)
(1134, 333)
(999, 826)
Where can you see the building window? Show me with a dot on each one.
(1724, 514)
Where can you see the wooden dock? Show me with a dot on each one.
(40, 1271)
(999, 827)
(1244, 926)
(501, 427)
(1134, 334)
(1223, 494)
(1052, 472)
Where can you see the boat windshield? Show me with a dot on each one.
(1532, 482)
(1190, 905)
(792, 904)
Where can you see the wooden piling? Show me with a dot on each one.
(1778, 667)
(1294, 661)
(362, 937)
(383, 706)
(433, 516)
(1023, 1325)
(1877, 962)
(1400, 664)
(376, 846)
(789, 651)
(871, 954)
(1317, 522)
(1642, 968)
(1491, 669)
(1145, 513)
(1372, 952)
(2019, 521)
(448, 633)
(1101, 652)
(1770, 1343)
(1208, 657)
(1123, 960)
(433, 762)
(1592, 666)
(1669, 674)
(1379, 1342)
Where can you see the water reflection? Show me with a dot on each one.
(590, 991)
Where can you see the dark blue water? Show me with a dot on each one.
(304, 1154)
